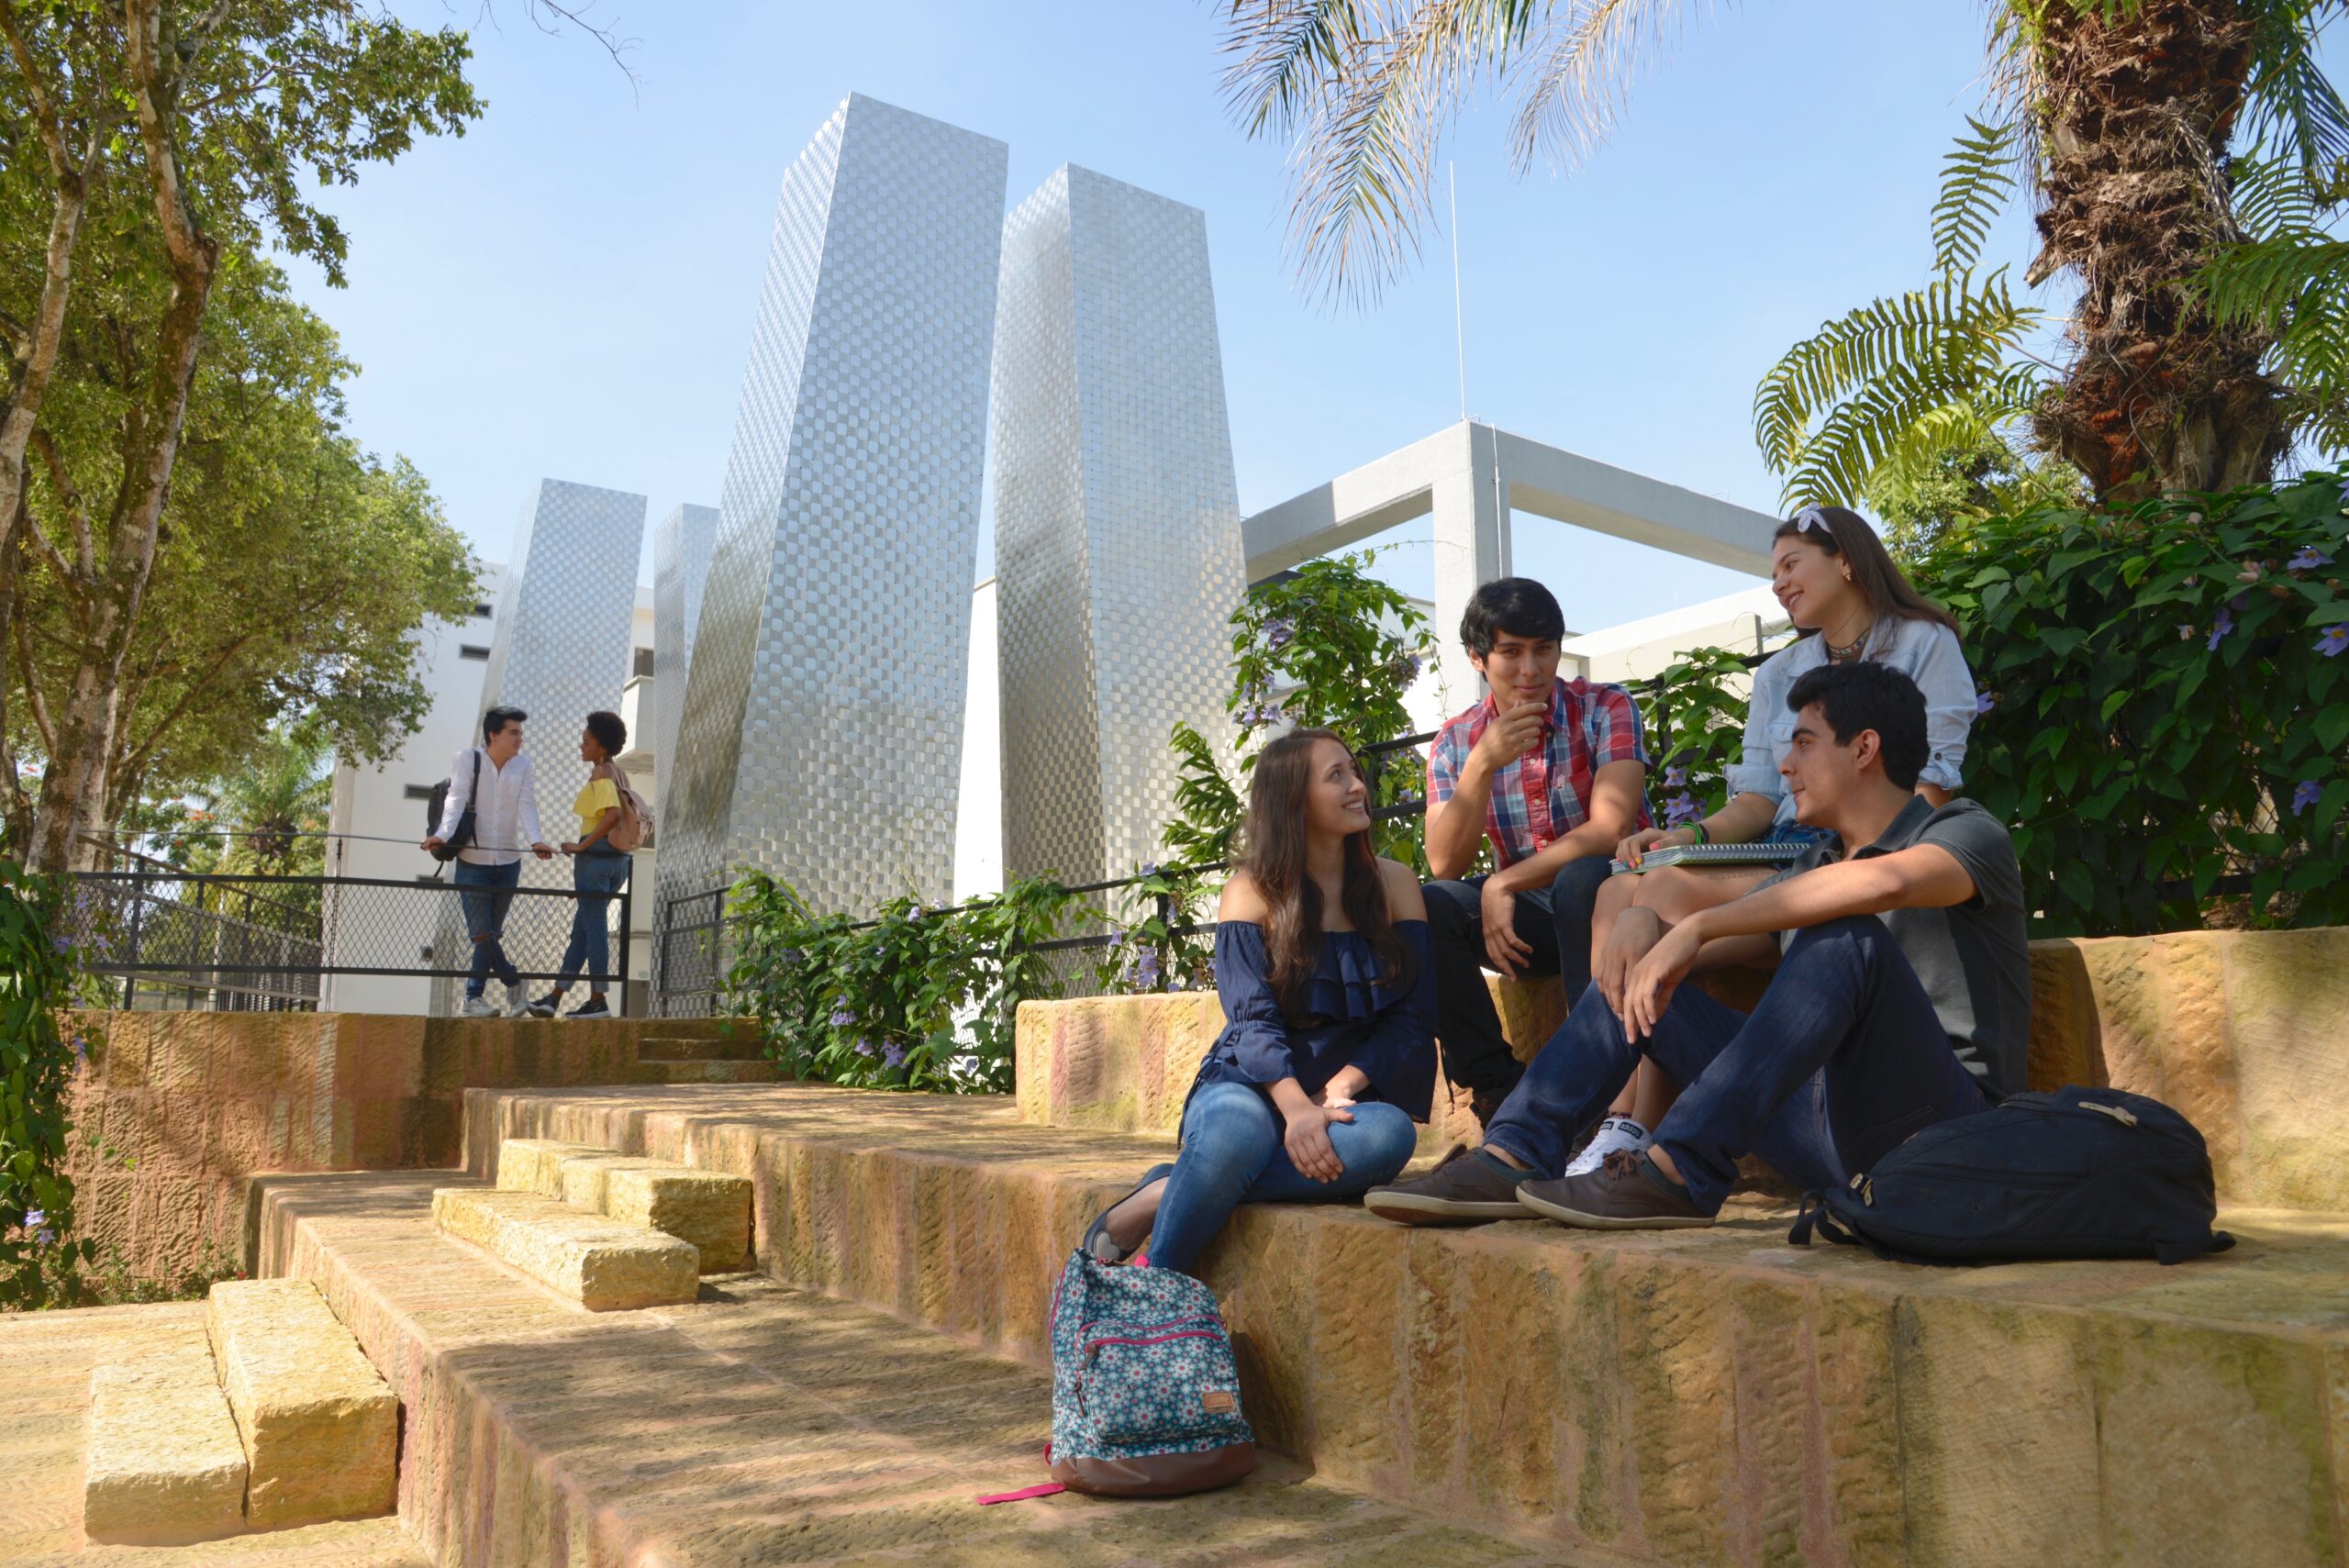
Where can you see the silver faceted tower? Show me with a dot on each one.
(1117, 549)
(822, 731)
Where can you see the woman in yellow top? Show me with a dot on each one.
(597, 870)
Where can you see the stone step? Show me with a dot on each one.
(165, 1465)
(724, 1072)
(711, 1209)
(701, 1029)
(758, 1424)
(678, 1048)
(320, 1428)
(1693, 1397)
(2243, 1031)
(602, 1264)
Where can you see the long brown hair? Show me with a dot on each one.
(1890, 594)
(1274, 861)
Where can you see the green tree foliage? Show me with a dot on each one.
(290, 571)
(2289, 277)
(156, 150)
(1922, 505)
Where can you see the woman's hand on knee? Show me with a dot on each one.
(1306, 1138)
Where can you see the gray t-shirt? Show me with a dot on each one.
(1973, 958)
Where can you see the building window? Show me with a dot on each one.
(644, 661)
(481, 612)
(418, 792)
(471, 651)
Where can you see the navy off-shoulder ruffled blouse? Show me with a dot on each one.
(1351, 1016)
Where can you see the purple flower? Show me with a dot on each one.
(791, 955)
(1278, 634)
(841, 1015)
(1118, 936)
(1150, 868)
(44, 1236)
(2334, 640)
(865, 1047)
(892, 1055)
(1146, 969)
(1985, 701)
(2306, 795)
(1681, 808)
(1246, 718)
(81, 1051)
(1676, 778)
(2219, 628)
(36, 1216)
(60, 943)
(2308, 559)
(1413, 664)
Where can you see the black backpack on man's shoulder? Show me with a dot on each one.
(438, 802)
(2075, 1173)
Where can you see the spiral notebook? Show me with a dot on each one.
(1715, 855)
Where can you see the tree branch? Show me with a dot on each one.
(76, 512)
(49, 551)
(138, 755)
(33, 703)
(46, 118)
(154, 85)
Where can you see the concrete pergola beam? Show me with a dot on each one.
(1470, 478)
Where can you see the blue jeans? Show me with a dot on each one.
(485, 920)
(597, 874)
(1555, 921)
(1843, 1060)
(1232, 1154)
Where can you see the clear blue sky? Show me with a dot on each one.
(568, 289)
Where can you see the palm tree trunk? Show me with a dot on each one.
(2135, 113)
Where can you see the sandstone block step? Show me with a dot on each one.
(165, 1465)
(681, 1048)
(1694, 1396)
(320, 1427)
(602, 1264)
(704, 1073)
(711, 1209)
(768, 1425)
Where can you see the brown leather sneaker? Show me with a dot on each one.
(1468, 1188)
(1626, 1193)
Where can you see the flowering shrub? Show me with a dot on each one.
(40, 1257)
(1696, 712)
(917, 999)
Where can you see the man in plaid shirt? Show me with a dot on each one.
(1553, 774)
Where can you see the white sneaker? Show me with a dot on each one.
(518, 1001)
(477, 1007)
(1615, 1132)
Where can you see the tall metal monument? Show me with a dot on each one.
(1117, 546)
(681, 550)
(822, 731)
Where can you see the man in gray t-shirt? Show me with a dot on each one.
(1902, 999)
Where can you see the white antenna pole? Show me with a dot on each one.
(1459, 338)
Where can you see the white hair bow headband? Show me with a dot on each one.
(1813, 517)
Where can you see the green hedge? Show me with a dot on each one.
(38, 1264)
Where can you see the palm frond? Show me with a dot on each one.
(1977, 182)
(2288, 101)
(2271, 198)
(1278, 50)
(1956, 322)
(1574, 79)
(1904, 416)
(1364, 156)
(2271, 279)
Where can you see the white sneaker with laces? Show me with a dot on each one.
(1615, 1132)
(478, 1007)
(518, 1000)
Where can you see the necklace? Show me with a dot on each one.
(1840, 655)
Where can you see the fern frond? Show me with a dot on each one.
(2288, 101)
(1574, 79)
(2270, 196)
(2264, 281)
(1977, 181)
(1953, 323)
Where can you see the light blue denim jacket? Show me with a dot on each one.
(1926, 651)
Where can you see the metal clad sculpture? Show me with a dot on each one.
(681, 549)
(822, 729)
(1118, 540)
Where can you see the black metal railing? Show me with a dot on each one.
(262, 942)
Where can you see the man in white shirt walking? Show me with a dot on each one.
(489, 866)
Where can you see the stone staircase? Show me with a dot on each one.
(267, 1418)
(696, 1050)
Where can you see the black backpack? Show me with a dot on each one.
(438, 802)
(2076, 1173)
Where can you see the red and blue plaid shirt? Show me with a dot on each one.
(1544, 794)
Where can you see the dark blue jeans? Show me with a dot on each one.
(1555, 921)
(1232, 1153)
(1843, 1060)
(596, 874)
(490, 892)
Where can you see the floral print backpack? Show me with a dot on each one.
(1145, 1391)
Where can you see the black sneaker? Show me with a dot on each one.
(1468, 1188)
(1626, 1193)
(544, 1006)
(593, 1008)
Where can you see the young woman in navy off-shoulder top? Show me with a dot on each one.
(1326, 1057)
